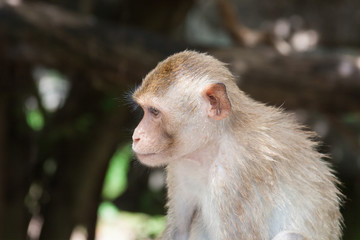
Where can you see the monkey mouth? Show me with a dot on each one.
(141, 155)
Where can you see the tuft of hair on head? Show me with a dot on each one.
(189, 65)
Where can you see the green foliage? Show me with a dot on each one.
(109, 103)
(116, 177)
(50, 167)
(108, 211)
(351, 118)
(35, 119)
(84, 122)
(110, 217)
(139, 224)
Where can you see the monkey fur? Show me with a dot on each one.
(236, 168)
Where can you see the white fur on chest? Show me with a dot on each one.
(197, 182)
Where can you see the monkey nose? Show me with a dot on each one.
(136, 139)
(136, 135)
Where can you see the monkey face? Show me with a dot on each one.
(172, 128)
(152, 142)
(169, 130)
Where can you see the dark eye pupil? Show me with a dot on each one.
(154, 111)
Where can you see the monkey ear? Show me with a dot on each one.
(219, 104)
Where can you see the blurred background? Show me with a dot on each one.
(67, 69)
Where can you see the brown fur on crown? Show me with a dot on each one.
(161, 77)
(190, 64)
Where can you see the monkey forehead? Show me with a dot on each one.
(181, 68)
(166, 102)
(147, 100)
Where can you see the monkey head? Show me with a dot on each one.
(183, 99)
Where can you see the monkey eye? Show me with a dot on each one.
(154, 111)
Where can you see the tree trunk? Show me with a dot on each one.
(3, 148)
(15, 151)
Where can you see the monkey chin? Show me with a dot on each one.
(151, 159)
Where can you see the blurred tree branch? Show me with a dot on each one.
(112, 56)
(246, 37)
(241, 34)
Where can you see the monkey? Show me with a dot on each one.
(236, 168)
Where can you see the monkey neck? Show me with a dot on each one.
(204, 155)
(196, 166)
